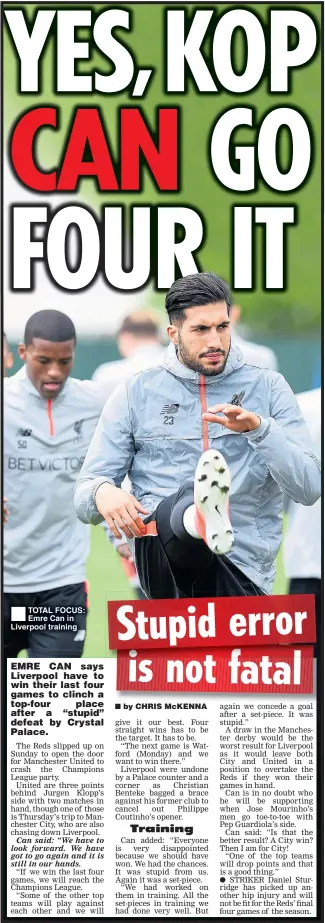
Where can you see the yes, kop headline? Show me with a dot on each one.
(273, 637)
(198, 55)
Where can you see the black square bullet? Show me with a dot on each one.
(117, 706)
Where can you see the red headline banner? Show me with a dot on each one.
(211, 622)
(262, 670)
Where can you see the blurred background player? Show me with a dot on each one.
(254, 353)
(139, 340)
(49, 421)
(302, 542)
(7, 356)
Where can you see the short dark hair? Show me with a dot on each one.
(141, 324)
(195, 290)
(49, 325)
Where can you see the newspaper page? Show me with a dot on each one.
(162, 395)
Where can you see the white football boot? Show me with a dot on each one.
(211, 497)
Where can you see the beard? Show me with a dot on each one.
(198, 366)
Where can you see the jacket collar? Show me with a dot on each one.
(235, 361)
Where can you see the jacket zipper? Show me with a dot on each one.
(49, 414)
(205, 431)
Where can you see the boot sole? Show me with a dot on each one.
(211, 497)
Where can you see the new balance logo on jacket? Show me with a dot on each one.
(168, 412)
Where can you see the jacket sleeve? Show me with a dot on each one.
(109, 457)
(284, 443)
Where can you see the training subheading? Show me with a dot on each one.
(158, 829)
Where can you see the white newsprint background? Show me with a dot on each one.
(94, 777)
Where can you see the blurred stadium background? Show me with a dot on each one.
(288, 322)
